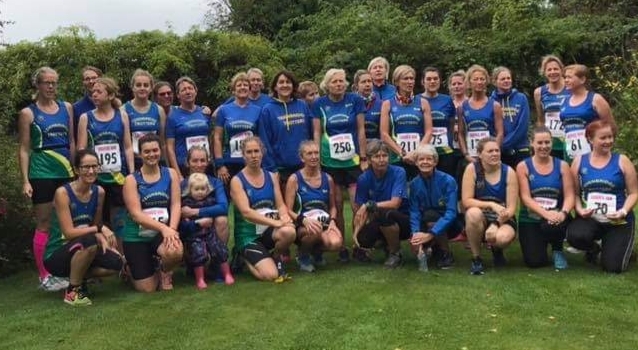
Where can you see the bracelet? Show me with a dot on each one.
(371, 206)
(363, 159)
(566, 213)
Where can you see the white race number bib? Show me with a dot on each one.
(576, 143)
(546, 203)
(473, 138)
(267, 212)
(408, 141)
(235, 143)
(319, 215)
(553, 123)
(157, 214)
(110, 159)
(201, 141)
(602, 204)
(439, 137)
(342, 147)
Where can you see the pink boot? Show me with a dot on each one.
(200, 281)
(228, 276)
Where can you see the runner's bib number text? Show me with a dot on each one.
(110, 159)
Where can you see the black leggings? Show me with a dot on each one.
(534, 242)
(370, 233)
(617, 241)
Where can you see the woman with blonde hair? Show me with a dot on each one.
(406, 121)
(339, 129)
(145, 116)
(45, 148)
(548, 99)
(480, 116)
(236, 121)
(379, 69)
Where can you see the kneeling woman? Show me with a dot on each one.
(547, 193)
(312, 191)
(381, 206)
(608, 190)
(152, 197)
(262, 223)
(490, 196)
(80, 246)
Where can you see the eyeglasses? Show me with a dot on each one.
(49, 83)
(167, 93)
(90, 78)
(86, 168)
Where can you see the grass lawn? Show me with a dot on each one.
(341, 307)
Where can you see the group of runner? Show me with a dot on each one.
(131, 188)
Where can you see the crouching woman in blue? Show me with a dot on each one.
(152, 198)
(80, 246)
(547, 193)
(608, 190)
(312, 190)
(433, 209)
(381, 206)
(489, 195)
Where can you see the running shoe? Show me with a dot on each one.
(591, 256)
(560, 263)
(52, 283)
(477, 267)
(76, 297)
(305, 264)
(393, 261)
(499, 257)
(361, 255)
(445, 260)
(319, 260)
(283, 275)
(344, 256)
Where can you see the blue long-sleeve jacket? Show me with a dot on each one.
(282, 128)
(437, 193)
(515, 119)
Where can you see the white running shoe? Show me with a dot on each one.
(52, 283)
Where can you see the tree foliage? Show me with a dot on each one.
(209, 57)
